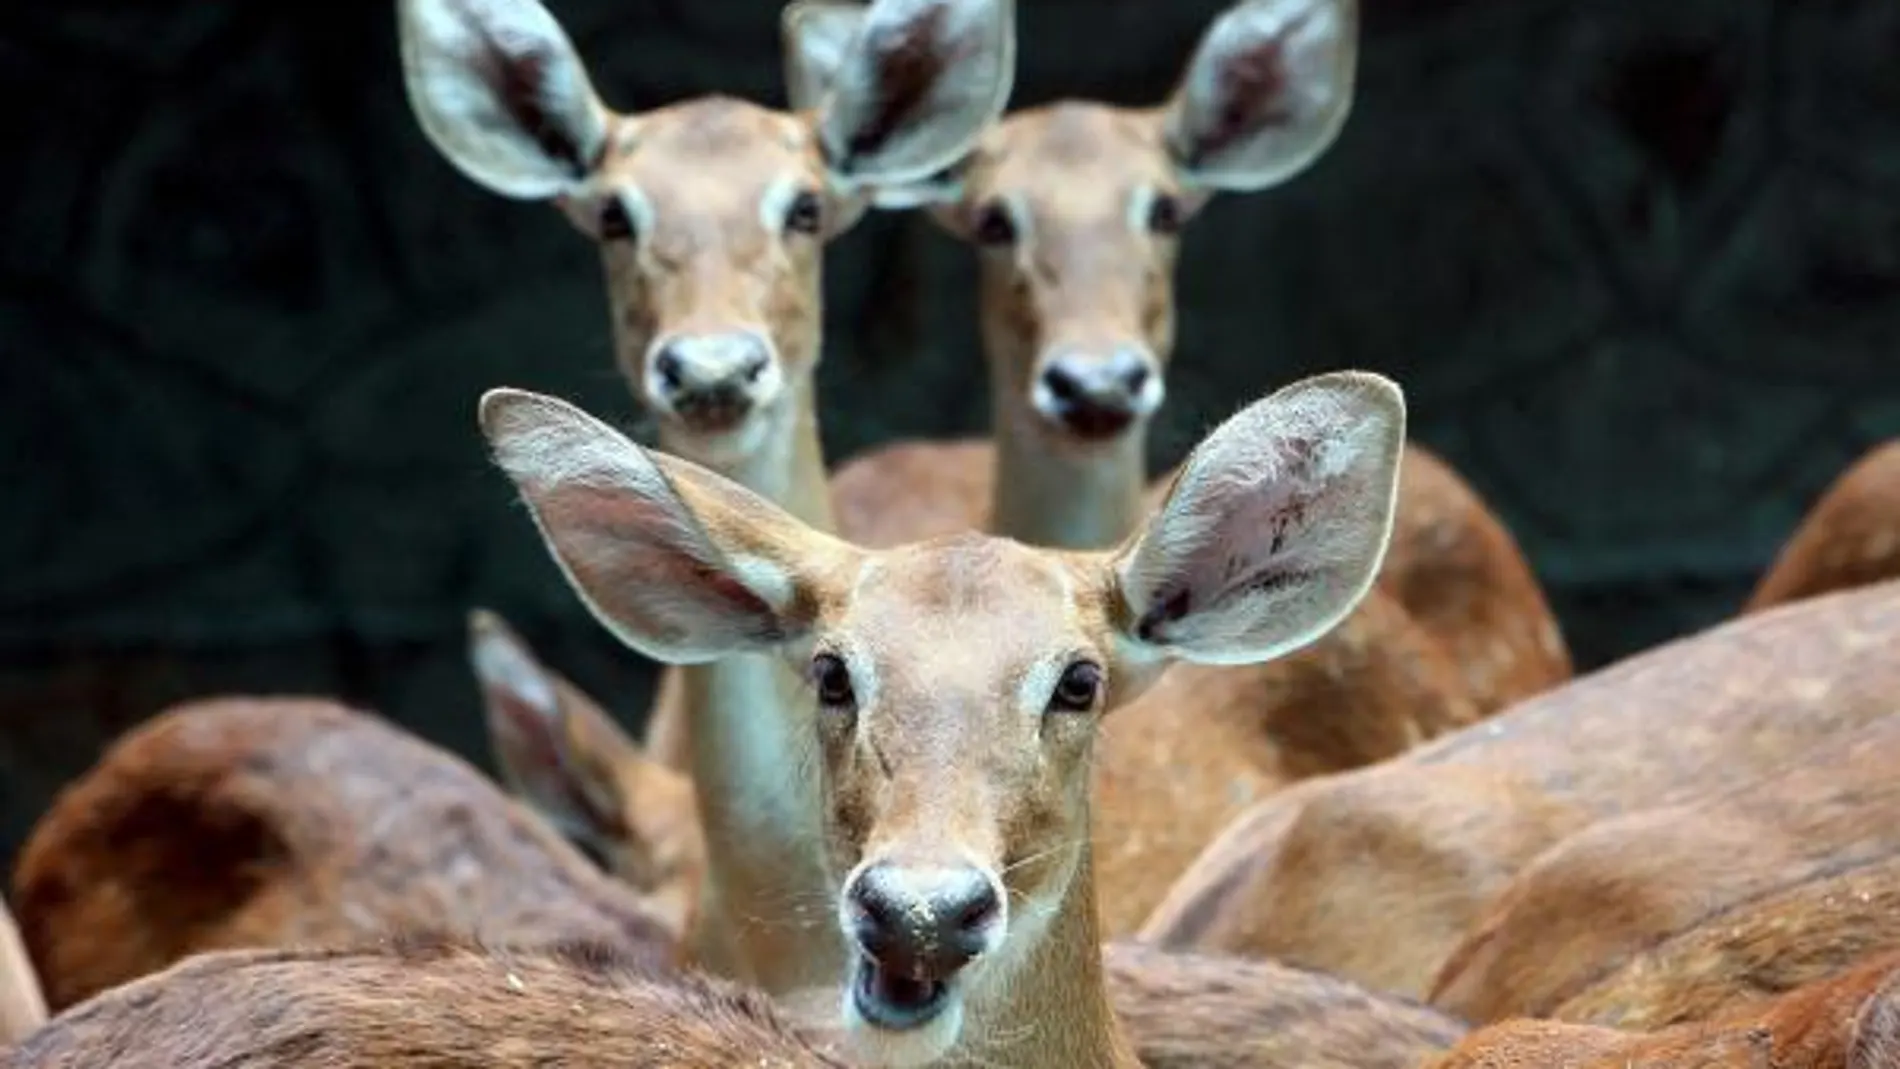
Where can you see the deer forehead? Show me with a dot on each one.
(1073, 152)
(714, 164)
(970, 617)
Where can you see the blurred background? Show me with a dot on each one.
(1637, 266)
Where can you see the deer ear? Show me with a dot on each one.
(679, 563)
(815, 35)
(1273, 529)
(1267, 91)
(559, 755)
(915, 88)
(499, 90)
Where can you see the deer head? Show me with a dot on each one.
(955, 684)
(1077, 207)
(709, 214)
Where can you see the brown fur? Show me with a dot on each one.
(1376, 874)
(1187, 1011)
(277, 822)
(1608, 895)
(1850, 538)
(1848, 1021)
(1179, 763)
(420, 1002)
(1785, 938)
(22, 1006)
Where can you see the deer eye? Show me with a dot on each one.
(994, 225)
(1076, 691)
(805, 215)
(833, 681)
(1164, 215)
(615, 224)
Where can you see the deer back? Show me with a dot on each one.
(246, 822)
(1192, 1011)
(418, 1002)
(1847, 1021)
(1614, 892)
(1378, 873)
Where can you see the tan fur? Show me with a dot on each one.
(1846, 1021)
(1376, 874)
(420, 1003)
(277, 822)
(22, 1006)
(1851, 537)
(1603, 899)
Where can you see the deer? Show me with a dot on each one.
(269, 822)
(422, 999)
(1077, 209)
(1377, 874)
(1613, 905)
(710, 215)
(562, 754)
(1365, 692)
(1851, 537)
(954, 685)
(22, 1005)
(1848, 1021)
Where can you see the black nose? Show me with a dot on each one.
(1096, 397)
(707, 378)
(924, 924)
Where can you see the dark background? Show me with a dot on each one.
(1635, 263)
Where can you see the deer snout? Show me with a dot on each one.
(1098, 395)
(712, 381)
(915, 929)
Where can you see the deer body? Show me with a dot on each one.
(955, 773)
(1609, 894)
(1850, 1020)
(277, 822)
(1850, 538)
(1377, 874)
(419, 1002)
(710, 215)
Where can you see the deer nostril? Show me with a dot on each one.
(976, 913)
(1062, 384)
(668, 366)
(755, 367)
(1135, 378)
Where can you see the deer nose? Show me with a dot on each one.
(924, 923)
(711, 379)
(1096, 396)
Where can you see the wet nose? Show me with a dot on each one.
(710, 374)
(924, 923)
(1097, 396)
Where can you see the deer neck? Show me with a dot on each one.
(758, 806)
(1046, 495)
(1053, 1009)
